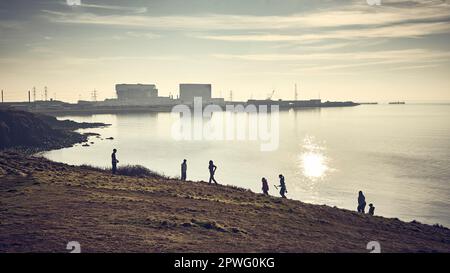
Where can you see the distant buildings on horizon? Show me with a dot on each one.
(147, 95)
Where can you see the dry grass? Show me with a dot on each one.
(44, 205)
(129, 170)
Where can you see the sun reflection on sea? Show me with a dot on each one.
(312, 160)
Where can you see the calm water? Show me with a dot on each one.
(398, 155)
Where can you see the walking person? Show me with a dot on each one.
(361, 202)
(282, 186)
(212, 171)
(265, 186)
(183, 170)
(114, 161)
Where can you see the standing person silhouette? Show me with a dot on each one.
(114, 161)
(265, 186)
(212, 170)
(282, 186)
(371, 209)
(183, 170)
(361, 202)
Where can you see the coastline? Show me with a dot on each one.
(47, 204)
(31, 133)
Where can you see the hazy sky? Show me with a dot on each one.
(342, 50)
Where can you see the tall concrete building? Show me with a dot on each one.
(190, 90)
(136, 92)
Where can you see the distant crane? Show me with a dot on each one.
(269, 96)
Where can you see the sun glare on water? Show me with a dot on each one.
(312, 161)
(313, 165)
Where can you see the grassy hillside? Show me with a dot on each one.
(44, 205)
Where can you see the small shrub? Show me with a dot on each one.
(138, 171)
(128, 170)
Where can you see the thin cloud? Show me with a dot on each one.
(396, 31)
(348, 16)
(110, 7)
(413, 67)
(405, 54)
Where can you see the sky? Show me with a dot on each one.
(335, 50)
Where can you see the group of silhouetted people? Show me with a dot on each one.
(211, 167)
(282, 186)
(362, 204)
(265, 185)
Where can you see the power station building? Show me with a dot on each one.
(137, 95)
(188, 91)
(147, 95)
(136, 92)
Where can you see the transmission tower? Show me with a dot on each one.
(94, 95)
(296, 93)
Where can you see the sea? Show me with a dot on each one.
(398, 155)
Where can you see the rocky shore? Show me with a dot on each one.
(31, 133)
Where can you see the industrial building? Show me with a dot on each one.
(138, 95)
(189, 91)
(136, 92)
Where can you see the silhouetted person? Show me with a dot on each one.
(265, 186)
(282, 186)
(212, 170)
(371, 209)
(183, 170)
(114, 161)
(361, 202)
